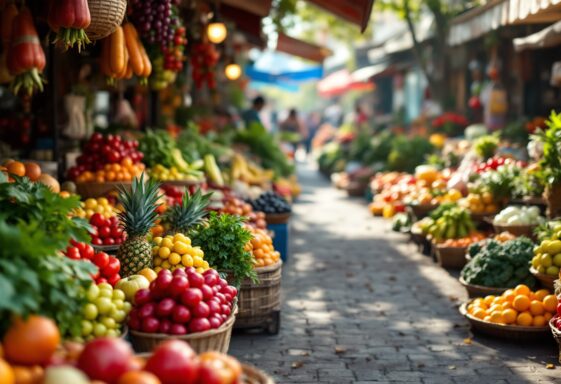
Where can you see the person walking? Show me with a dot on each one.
(251, 115)
(292, 124)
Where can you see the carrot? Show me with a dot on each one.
(147, 63)
(117, 57)
(123, 73)
(133, 46)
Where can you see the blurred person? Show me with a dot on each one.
(292, 124)
(251, 115)
(313, 122)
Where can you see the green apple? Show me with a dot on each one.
(64, 374)
(103, 305)
(557, 260)
(118, 295)
(119, 304)
(92, 293)
(87, 327)
(127, 307)
(552, 271)
(99, 330)
(541, 269)
(106, 293)
(546, 260)
(119, 315)
(90, 311)
(105, 286)
(109, 322)
(130, 285)
(112, 333)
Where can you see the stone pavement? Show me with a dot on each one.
(361, 305)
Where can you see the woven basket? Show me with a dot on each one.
(422, 210)
(510, 332)
(451, 257)
(516, 230)
(277, 218)
(257, 301)
(556, 334)
(480, 290)
(93, 189)
(111, 249)
(106, 16)
(252, 375)
(545, 280)
(212, 340)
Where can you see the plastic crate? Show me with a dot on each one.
(281, 239)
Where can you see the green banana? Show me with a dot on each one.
(212, 170)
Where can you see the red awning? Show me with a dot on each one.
(246, 22)
(355, 11)
(260, 8)
(340, 82)
(301, 48)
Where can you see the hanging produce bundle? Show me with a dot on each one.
(138, 59)
(204, 60)
(115, 57)
(69, 19)
(26, 58)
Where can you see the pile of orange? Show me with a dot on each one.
(261, 246)
(126, 170)
(518, 306)
(29, 169)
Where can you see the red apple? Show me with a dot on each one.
(165, 307)
(226, 310)
(150, 325)
(181, 314)
(201, 310)
(214, 307)
(196, 280)
(147, 310)
(174, 362)
(207, 291)
(141, 297)
(199, 324)
(179, 272)
(178, 285)
(191, 297)
(215, 322)
(165, 326)
(178, 329)
(105, 359)
(211, 279)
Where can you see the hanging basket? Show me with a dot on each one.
(212, 340)
(106, 16)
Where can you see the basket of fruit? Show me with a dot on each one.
(520, 221)
(252, 375)
(546, 280)
(480, 290)
(276, 208)
(106, 16)
(555, 326)
(451, 257)
(518, 314)
(422, 210)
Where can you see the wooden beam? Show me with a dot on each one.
(260, 8)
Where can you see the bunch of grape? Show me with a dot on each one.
(156, 20)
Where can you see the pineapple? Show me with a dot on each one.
(191, 211)
(137, 217)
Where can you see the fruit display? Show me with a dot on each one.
(108, 267)
(480, 203)
(454, 223)
(518, 306)
(92, 206)
(513, 215)
(262, 249)
(106, 231)
(493, 163)
(547, 257)
(249, 172)
(105, 312)
(137, 217)
(463, 242)
(236, 206)
(175, 252)
(182, 302)
(107, 158)
(270, 202)
(500, 264)
(161, 173)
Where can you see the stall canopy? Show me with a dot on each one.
(248, 23)
(301, 48)
(355, 11)
(499, 13)
(367, 73)
(340, 82)
(260, 8)
(548, 37)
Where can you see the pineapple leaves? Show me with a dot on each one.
(191, 212)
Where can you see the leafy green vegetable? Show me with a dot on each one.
(407, 153)
(223, 239)
(157, 147)
(194, 146)
(486, 146)
(501, 265)
(501, 182)
(550, 163)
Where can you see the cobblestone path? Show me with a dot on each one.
(361, 305)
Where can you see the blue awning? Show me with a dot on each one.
(285, 80)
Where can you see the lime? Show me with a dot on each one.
(552, 271)
(545, 260)
(557, 260)
(536, 261)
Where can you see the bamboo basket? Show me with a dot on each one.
(252, 375)
(212, 340)
(505, 331)
(422, 210)
(106, 248)
(451, 257)
(556, 334)
(480, 290)
(277, 218)
(516, 230)
(93, 189)
(258, 303)
(106, 16)
(545, 280)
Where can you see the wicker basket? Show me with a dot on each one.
(510, 332)
(212, 340)
(451, 257)
(277, 218)
(258, 301)
(516, 230)
(182, 183)
(93, 189)
(252, 375)
(106, 16)
(545, 280)
(422, 210)
(480, 290)
(111, 249)
(556, 334)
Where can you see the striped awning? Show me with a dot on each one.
(499, 13)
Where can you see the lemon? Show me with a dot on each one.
(157, 269)
(187, 260)
(545, 260)
(155, 250)
(554, 247)
(164, 252)
(180, 247)
(198, 262)
(91, 203)
(157, 240)
(166, 264)
(198, 252)
(536, 261)
(157, 261)
(200, 270)
(205, 265)
(557, 260)
(552, 271)
(167, 242)
(174, 258)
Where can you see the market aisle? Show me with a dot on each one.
(362, 306)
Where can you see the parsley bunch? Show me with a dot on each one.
(223, 239)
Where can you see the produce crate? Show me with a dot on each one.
(504, 331)
(259, 303)
(93, 189)
(545, 280)
(212, 340)
(474, 291)
(556, 335)
(451, 257)
(281, 239)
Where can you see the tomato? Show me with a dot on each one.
(113, 267)
(104, 231)
(73, 253)
(218, 368)
(96, 241)
(116, 232)
(97, 219)
(174, 362)
(106, 359)
(88, 252)
(114, 279)
(101, 259)
(108, 241)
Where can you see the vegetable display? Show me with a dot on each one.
(518, 216)
(454, 223)
(501, 265)
(26, 58)
(547, 256)
(139, 61)
(115, 57)
(69, 19)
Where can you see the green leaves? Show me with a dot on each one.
(223, 240)
(139, 206)
(550, 163)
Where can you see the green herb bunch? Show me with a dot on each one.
(550, 138)
(223, 239)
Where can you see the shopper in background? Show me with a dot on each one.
(251, 115)
(292, 124)
(313, 122)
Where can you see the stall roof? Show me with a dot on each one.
(499, 13)
(260, 8)
(246, 22)
(355, 11)
(301, 48)
(366, 73)
(548, 37)
(340, 82)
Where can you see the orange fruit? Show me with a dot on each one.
(548, 316)
(550, 303)
(539, 321)
(16, 168)
(509, 316)
(138, 377)
(495, 307)
(521, 303)
(32, 170)
(536, 308)
(6, 373)
(31, 341)
(509, 295)
(22, 375)
(149, 273)
(487, 318)
(479, 313)
(497, 317)
(524, 319)
(541, 294)
(489, 300)
(126, 162)
(522, 290)
(506, 305)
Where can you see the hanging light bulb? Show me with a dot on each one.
(216, 32)
(233, 71)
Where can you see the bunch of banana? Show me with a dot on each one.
(455, 223)
(181, 170)
(212, 170)
(247, 171)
